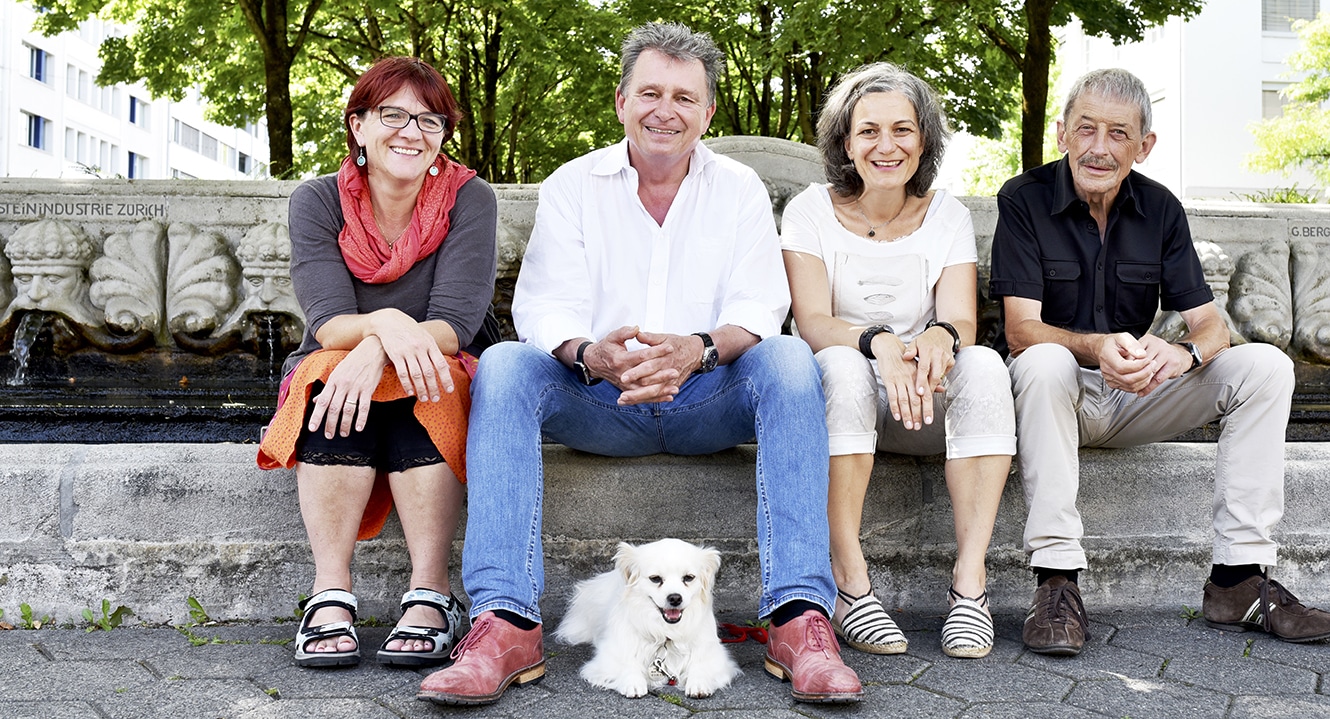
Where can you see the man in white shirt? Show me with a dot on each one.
(650, 302)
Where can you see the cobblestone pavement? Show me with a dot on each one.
(1138, 664)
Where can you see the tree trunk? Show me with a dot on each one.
(1034, 81)
(268, 20)
(281, 156)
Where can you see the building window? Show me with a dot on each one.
(179, 175)
(138, 166)
(1272, 104)
(39, 64)
(243, 163)
(138, 112)
(187, 135)
(39, 130)
(1279, 15)
(208, 147)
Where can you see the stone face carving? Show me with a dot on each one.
(1262, 300)
(49, 262)
(1311, 300)
(265, 268)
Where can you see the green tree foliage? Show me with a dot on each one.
(535, 78)
(1022, 30)
(1300, 138)
(785, 55)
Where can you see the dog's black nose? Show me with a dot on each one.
(674, 600)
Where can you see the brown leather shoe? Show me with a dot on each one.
(1263, 604)
(805, 653)
(493, 655)
(1056, 623)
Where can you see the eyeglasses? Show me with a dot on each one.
(397, 118)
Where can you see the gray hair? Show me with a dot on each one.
(677, 42)
(1113, 83)
(834, 125)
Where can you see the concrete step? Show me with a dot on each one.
(150, 525)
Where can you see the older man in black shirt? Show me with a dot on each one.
(1086, 250)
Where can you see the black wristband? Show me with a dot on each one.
(584, 372)
(955, 336)
(866, 338)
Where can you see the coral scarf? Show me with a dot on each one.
(368, 255)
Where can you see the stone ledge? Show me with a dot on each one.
(149, 525)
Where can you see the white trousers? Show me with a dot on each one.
(976, 408)
(1061, 406)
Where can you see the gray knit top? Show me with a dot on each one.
(454, 284)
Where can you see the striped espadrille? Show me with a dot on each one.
(867, 626)
(968, 631)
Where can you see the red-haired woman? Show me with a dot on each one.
(392, 260)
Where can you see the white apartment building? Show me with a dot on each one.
(1210, 78)
(55, 121)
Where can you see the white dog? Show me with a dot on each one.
(651, 621)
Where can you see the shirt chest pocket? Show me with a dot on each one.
(1061, 291)
(1137, 293)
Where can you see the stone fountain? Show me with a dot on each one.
(161, 311)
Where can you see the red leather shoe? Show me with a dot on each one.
(805, 653)
(494, 655)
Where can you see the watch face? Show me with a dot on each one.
(709, 359)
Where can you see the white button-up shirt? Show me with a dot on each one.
(598, 261)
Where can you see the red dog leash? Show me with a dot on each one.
(735, 633)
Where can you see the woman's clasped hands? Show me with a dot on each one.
(912, 372)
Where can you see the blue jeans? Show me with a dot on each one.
(772, 392)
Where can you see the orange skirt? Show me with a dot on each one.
(445, 421)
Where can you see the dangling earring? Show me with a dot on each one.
(434, 170)
(360, 159)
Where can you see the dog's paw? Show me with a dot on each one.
(632, 689)
(698, 693)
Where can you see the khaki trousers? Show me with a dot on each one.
(1061, 406)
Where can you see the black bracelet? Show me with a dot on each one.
(866, 338)
(955, 336)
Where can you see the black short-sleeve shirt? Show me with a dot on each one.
(1046, 247)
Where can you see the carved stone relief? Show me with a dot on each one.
(175, 286)
(1262, 299)
(1218, 268)
(1311, 301)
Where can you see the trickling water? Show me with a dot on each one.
(269, 338)
(29, 327)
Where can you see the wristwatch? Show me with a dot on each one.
(584, 372)
(1196, 359)
(866, 339)
(955, 336)
(709, 354)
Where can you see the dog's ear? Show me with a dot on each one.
(710, 566)
(625, 561)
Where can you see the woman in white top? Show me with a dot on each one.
(882, 274)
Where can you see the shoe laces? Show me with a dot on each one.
(1283, 597)
(817, 633)
(479, 630)
(1063, 595)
